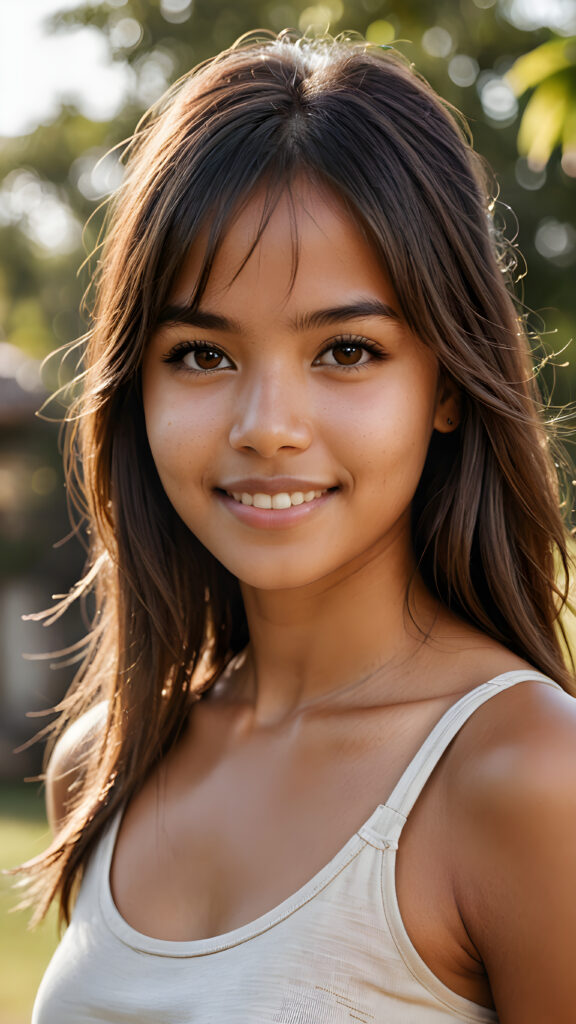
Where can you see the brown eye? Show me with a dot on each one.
(350, 353)
(347, 355)
(206, 358)
(197, 357)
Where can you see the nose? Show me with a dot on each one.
(270, 415)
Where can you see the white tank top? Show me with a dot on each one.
(336, 952)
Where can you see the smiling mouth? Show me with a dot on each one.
(281, 500)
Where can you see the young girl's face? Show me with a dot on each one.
(305, 393)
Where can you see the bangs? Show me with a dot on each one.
(267, 194)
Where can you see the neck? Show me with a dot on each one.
(335, 638)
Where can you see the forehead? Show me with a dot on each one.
(304, 248)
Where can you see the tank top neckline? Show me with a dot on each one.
(381, 830)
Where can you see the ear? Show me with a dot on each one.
(448, 405)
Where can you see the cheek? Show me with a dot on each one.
(180, 435)
(387, 425)
(165, 403)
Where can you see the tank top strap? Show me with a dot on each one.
(391, 816)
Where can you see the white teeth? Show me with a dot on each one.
(281, 501)
(276, 501)
(262, 501)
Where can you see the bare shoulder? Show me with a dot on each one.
(66, 762)
(512, 784)
(518, 744)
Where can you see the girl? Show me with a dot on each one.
(319, 764)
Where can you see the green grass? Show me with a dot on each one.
(23, 954)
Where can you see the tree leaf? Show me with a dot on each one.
(534, 67)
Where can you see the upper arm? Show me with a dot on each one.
(65, 768)
(516, 885)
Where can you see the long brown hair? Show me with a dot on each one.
(488, 535)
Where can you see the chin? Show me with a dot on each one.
(276, 575)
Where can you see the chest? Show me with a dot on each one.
(233, 825)
(230, 829)
(326, 957)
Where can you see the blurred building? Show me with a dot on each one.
(32, 520)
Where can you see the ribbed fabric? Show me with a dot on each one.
(336, 952)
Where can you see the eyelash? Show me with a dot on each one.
(176, 354)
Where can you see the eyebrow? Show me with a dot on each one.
(195, 317)
(351, 311)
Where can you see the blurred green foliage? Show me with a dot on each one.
(55, 178)
(550, 115)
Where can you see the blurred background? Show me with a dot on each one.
(74, 80)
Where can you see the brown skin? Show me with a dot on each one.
(291, 752)
(485, 872)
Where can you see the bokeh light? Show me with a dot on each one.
(437, 41)
(498, 101)
(320, 17)
(559, 15)
(463, 70)
(176, 12)
(125, 33)
(556, 241)
(381, 32)
(42, 213)
(97, 173)
(528, 177)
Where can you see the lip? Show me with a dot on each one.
(273, 485)
(273, 519)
